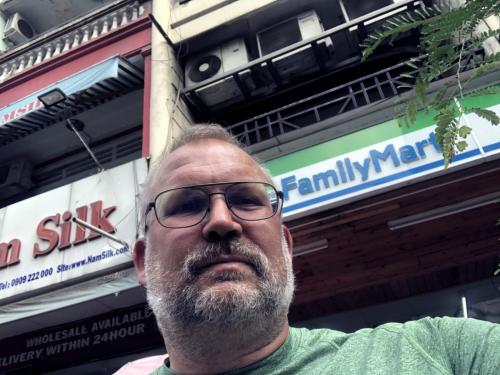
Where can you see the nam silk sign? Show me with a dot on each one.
(41, 247)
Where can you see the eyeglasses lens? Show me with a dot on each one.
(185, 207)
(181, 207)
(252, 201)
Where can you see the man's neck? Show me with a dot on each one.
(218, 352)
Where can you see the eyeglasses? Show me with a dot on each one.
(187, 206)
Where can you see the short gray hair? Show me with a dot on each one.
(190, 134)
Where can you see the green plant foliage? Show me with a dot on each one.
(447, 41)
(491, 116)
(447, 131)
(492, 90)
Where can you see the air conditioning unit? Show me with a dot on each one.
(300, 61)
(18, 30)
(213, 63)
(15, 178)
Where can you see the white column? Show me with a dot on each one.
(3, 19)
(163, 76)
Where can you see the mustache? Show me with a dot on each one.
(199, 259)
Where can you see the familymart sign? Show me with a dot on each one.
(373, 160)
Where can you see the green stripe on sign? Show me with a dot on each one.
(363, 138)
(343, 145)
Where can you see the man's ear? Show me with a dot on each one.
(288, 239)
(138, 256)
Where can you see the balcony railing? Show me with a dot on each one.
(68, 38)
(324, 106)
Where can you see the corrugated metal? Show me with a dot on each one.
(129, 78)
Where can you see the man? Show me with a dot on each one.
(216, 262)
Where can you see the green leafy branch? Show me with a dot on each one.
(448, 45)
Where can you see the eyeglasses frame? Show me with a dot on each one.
(152, 205)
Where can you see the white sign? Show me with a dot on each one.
(369, 170)
(40, 246)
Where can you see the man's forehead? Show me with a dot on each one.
(207, 161)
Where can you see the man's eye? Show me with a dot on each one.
(247, 200)
(185, 206)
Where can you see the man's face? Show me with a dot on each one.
(223, 268)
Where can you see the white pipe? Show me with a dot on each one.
(100, 231)
(464, 307)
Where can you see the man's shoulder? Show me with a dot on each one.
(422, 329)
(429, 345)
(445, 327)
(307, 337)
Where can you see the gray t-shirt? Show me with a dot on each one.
(444, 346)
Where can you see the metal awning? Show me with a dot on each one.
(85, 90)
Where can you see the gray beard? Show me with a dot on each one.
(193, 317)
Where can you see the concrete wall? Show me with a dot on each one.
(168, 114)
(196, 17)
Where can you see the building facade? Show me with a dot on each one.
(75, 81)
(383, 232)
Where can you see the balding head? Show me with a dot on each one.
(195, 133)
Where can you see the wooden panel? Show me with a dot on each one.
(393, 290)
(365, 262)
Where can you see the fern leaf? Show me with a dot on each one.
(420, 91)
(464, 131)
(486, 91)
(441, 99)
(491, 116)
(446, 132)
(478, 40)
(461, 146)
(439, 52)
(411, 109)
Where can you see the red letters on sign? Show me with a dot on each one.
(81, 213)
(100, 218)
(65, 231)
(56, 231)
(10, 252)
(62, 239)
(47, 234)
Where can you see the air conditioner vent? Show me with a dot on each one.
(204, 68)
(18, 30)
(280, 36)
(215, 62)
(302, 60)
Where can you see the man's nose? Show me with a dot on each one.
(220, 223)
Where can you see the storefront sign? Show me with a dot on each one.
(403, 158)
(103, 336)
(41, 247)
